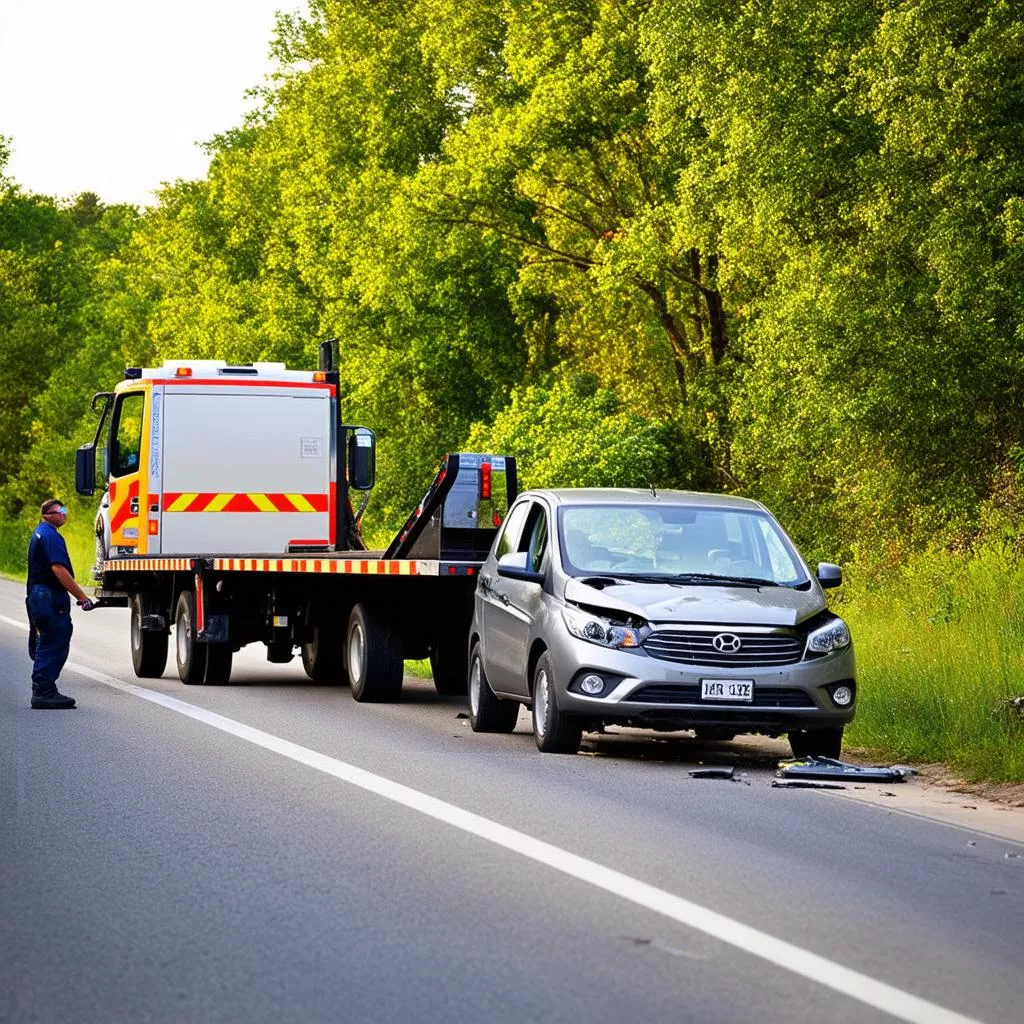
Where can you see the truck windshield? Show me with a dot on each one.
(661, 540)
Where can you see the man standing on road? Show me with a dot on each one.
(50, 580)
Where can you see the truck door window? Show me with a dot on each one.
(126, 435)
(508, 539)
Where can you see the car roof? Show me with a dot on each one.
(642, 496)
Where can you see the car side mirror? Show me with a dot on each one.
(829, 575)
(85, 469)
(516, 566)
(362, 459)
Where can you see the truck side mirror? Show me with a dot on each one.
(85, 469)
(829, 575)
(362, 459)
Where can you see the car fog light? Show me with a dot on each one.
(842, 695)
(592, 684)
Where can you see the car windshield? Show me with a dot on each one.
(691, 543)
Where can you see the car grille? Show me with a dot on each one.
(696, 647)
(672, 693)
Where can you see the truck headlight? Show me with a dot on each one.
(833, 636)
(597, 630)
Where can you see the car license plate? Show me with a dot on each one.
(737, 690)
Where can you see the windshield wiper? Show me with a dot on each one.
(699, 578)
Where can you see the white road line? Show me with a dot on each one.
(864, 989)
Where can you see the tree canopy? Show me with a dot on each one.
(764, 246)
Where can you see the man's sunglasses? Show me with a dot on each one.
(62, 509)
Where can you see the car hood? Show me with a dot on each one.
(672, 602)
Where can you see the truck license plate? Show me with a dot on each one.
(739, 690)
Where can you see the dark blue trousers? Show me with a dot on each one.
(49, 613)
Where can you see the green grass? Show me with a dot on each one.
(419, 668)
(939, 656)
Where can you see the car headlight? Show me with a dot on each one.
(833, 636)
(597, 630)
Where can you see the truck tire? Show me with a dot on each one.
(323, 658)
(218, 664)
(817, 742)
(190, 654)
(448, 665)
(149, 647)
(373, 654)
(487, 713)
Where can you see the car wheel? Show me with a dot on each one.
(555, 732)
(487, 713)
(190, 654)
(149, 647)
(448, 665)
(817, 742)
(374, 655)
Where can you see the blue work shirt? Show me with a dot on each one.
(45, 549)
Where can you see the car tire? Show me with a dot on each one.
(373, 655)
(487, 713)
(189, 653)
(448, 665)
(555, 732)
(218, 664)
(149, 647)
(323, 658)
(817, 742)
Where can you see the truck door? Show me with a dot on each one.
(124, 456)
(513, 607)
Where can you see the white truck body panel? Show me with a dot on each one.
(257, 443)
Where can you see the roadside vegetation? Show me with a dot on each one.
(774, 249)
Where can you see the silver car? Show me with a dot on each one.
(666, 610)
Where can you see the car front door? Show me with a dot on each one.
(515, 607)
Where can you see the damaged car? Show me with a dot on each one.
(660, 610)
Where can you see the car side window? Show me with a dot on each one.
(508, 539)
(535, 539)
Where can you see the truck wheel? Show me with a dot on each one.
(149, 647)
(817, 742)
(448, 665)
(191, 655)
(487, 713)
(374, 656)
(218, 664)
(323, 658)
(554, 732)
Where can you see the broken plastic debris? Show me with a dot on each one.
(712, 773)
(805, 784)
(829, 768)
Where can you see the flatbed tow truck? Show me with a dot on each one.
(228, 514)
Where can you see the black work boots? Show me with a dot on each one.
(47, 696)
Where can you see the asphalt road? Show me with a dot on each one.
(276, 852)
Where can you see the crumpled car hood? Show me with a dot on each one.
(666, 602)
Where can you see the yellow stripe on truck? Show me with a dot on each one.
(300, 503)
(182, 502)
(218, 503)
(262, 502)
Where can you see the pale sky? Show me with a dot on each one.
(110, 96)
